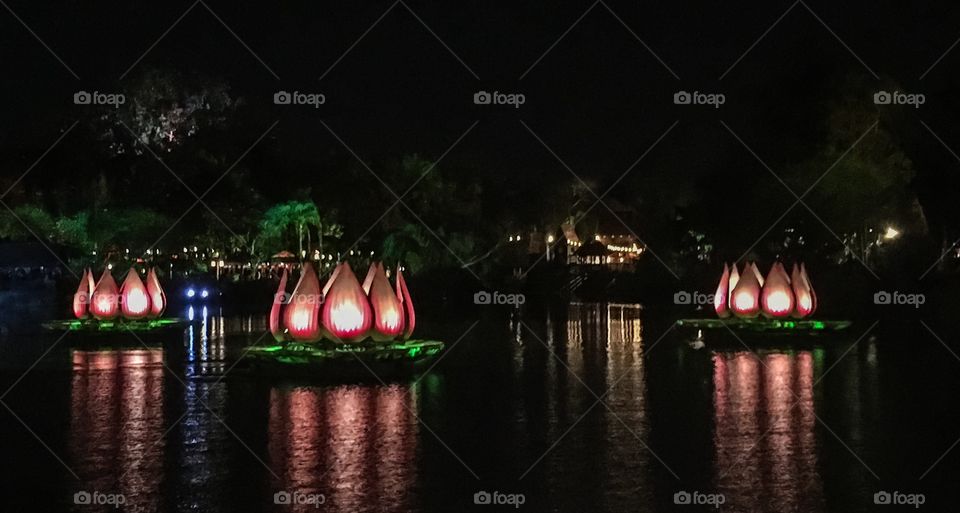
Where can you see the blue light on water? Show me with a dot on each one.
(204, 293)
(190, 313)
(191, 292)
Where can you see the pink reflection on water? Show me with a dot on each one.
(116, 424)
(766, 452)
(355, 445)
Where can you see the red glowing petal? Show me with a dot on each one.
(368, 281)
(756, 272)
(813, 293)
(777, 297)
(301, 317)
(387, 308)
(346, 310)
(134, 301)
(104, 302)
(734, 280)
(804, 304)
(279, 299)
(404, 295)
(158, 299)
(745, 298)
(331, 279)
(82, 297)
(90, 284)
(720, 297)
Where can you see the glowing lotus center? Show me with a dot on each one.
(105, 303)
(744, 300)
(778, 301)
(805, 302)
(301, 319)
(347, 317)
(136, 301)
(718, 300)
(390, 319)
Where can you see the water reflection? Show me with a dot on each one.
(116, 425)
(355, 445)
(764, 441)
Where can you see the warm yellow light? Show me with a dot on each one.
(549, 239)
(778, 302)
(891, 233)
(745, 301)
(347, 316)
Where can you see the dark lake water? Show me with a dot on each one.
(594, 407)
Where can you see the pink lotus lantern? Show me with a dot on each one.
(278, 301)
(346, 311)
(104, 302)
(404, 296)
(387, 307)
(777, 298)
(301, 317)
(134, 301)
(720, 298)
(81, 299)
(745, 297)
(158, 299)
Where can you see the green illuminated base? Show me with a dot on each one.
(119, 325)
(331, 360)
(765, 325)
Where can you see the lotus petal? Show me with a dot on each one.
(301, 317)
(346, 311)
(158, 299)
(368, 281)
(105, 300)
(720, 298)
(777, 299)
(279, 299)
(81, 298)
(734, 280)
(387, 308)
(404, 295)
(804, 300)
(134, 300)
(745, 298)
(806, 279)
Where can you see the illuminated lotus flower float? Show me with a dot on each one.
(778, 296)
(372, 319)
(135, 304)
(343, 311)
(133, 300)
